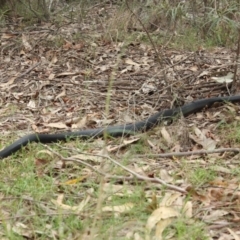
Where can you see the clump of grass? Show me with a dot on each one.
(200, 176)
(231, 133)
(178, 23)
(28, 9)
(193, 230)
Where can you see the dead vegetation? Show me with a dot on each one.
(92, 64)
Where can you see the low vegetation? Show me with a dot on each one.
(68, 65)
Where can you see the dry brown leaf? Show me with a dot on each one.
(160, 218)
(81, 123)
(234, 234)
(161, 225)
(199, 197)
(119, 209)
(215, 215)
(166, 136)
(117, 190)
(78, 46)
(7, 84)
(39, 130)
(140, 169)
(54, 60)
(58, 125)
(164, 175)
(136, 236)
(169, 198)
(62, 94)
(188, 209)
(76, 209)
(47, 152)
(65, 74)
(153, 204)
(194, 68)
(51, 77)
(22, 53)
(7, 36)
(40, 165)
(160, 214)
(131, 62)
(224, 79)
(68, 45)
(216, 194)
(201, 139)
(219, 182)
(225, 236)
(126, 118)
(125, 143)
(25, 42)
(22, 230)
(177, 58)
(148, 87)
(203, 73)
(32, 104)
(232, 108)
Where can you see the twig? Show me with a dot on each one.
(27, 71)
(74, 160)
(200, 152)
(218, 225)
(223, 66)
(136, 175)
(156, 180)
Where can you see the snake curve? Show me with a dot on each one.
(118, 130)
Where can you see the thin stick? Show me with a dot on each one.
(27, 71)
(136, 175)
(199, 152)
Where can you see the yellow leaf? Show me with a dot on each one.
(76, 180)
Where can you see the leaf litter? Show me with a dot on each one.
(45, 87)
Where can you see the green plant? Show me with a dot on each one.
(221, 25)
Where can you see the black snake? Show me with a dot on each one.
(119, 130)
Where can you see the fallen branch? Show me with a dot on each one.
(136, 175)
(199, 152)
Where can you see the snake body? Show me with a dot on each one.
(118, 130)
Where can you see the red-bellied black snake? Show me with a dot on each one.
(118, 130)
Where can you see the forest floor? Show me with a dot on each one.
(72, 74)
